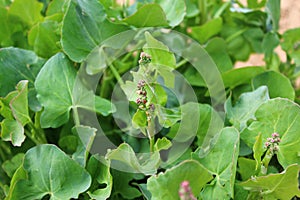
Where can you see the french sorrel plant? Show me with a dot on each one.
(141, 100)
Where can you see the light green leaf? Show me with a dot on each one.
(290, 44)
(175, 10)
(16, 65)
(258, 151)
(278, 84)
(283, 117)
(19, 104)
(27, 10)
(85, 135)
(221, 161)
(88, 18)
(276, 186)
(216, 48)
(12, 130)
(59, 91)
(245, 107)
(204, 32)
(139, 119)
(47, 175)
(149, 15)
(99, 169)
(128, 161)
(173, 177)
(205, 127)
(168, 116)
(273, 10)
(162, 144)
(161, 58)
(246, 167)
(44, 37)
(11, 166)
(239, 76)
(124, 187)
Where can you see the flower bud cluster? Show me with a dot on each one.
(144, 59)
(142, 100)
(185, 192)
(272, 143)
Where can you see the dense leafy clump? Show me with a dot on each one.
(102, 100)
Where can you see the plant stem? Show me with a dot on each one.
(38, 134)
(32, 138)
(182, 62)
(265, 162)
(116, 74)
(76, 116)
(150, 132)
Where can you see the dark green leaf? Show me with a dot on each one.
(245, 107)
(59, 91)
(204, 32)
(27, 10)
(174, 10)
(87, 18)
(173, 177)
(149, 15)
(283, 117)
(44, 37)
(278, 84)
(16, 65)
(50, 171)
(99, 169)
(240, 76)
(276, 186)
(221, 161)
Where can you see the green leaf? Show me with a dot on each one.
(162, 144)
(85, 27)
(290, 44)
(124, 187)
(254, 36)
(204, 32)
(139, 119)
(161, 57)
(27, 10)
(5, 33)
(246, 168)
(168, 116)
(44, 37)
(11, 166)
(245, 107)
(16, 65)
(269, 43)
(174, 10)
(258, 151)
(283, 117)
(216, 48)
(273, 10)
(205, 127)
(19, 104)
(149, 15)
(239, 76)
(59, 91)
(129, 162)
(12, 130)
(221, 161)
(99, 169)
(276, 186)
(86, 137)
(50, 171)
(173, 177)
(278, 84)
